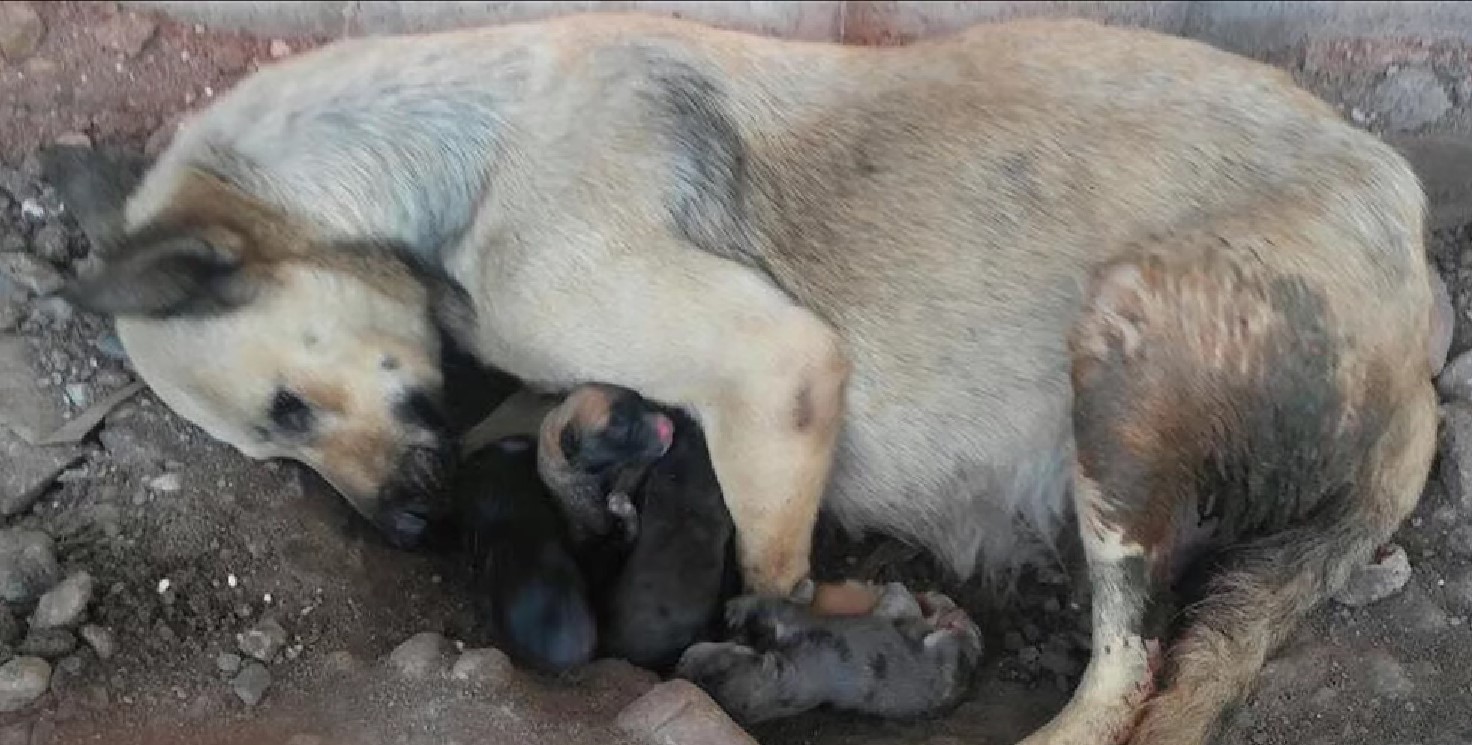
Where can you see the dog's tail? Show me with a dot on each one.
(1262, 589)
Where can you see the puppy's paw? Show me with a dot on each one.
(896, 602)
(712, 664)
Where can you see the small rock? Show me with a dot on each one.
(279, 49)
(1443, 320)
(35, 275)
(251, 684)
(74, 139)
(1456, 450)
(23, 680)
(28, 471)
(1455, 381)
(55, 310)
(1411, 98)
(79, 394)
(64, 604)
(28, 565)
(228, 663)
(422, 656)
(1012, 641)
(48, 643)
(49, 243)
(126, 33)
(1460, 540)
(677, 711)
(1029, 657)
(16, 734)
(1373, 582)
(10, 628)
(263, 640)
(101, 640)
(32, 209)
(487, 667)
(111, 347)
(168, 482)
(21, 31)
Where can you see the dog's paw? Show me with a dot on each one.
(712, 664)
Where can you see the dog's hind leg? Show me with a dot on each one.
(1270, 584)
(1218, 398)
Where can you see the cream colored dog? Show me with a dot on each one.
(957, 289)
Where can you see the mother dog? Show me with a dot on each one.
(956, 289)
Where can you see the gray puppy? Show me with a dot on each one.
(913, 656)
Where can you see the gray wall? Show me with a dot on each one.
(1254, 28)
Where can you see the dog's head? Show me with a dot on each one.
(287, 346)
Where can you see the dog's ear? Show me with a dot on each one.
(94, 185)
(167, 276)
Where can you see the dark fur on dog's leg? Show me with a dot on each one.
(94, 186)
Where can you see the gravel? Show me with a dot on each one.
(63, 605)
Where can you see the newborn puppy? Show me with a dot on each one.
(528, 586)
(640, 472)
(910, 657)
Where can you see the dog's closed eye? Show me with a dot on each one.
(289, 413)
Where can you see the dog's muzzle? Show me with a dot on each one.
(415, 497)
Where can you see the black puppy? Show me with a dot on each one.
(528, 587)
(636, 483)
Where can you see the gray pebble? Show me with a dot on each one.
(251, 684)
(1411, 98)
(49, 643)
(10, 628)
(263, 640)
(1460, 540)
(1456, 450)
(1455, 381)
(28, 565)
(49, 243)
(487, 666)
(38, 277)
(1377, 580)
(100, 639)
(64, 604)
(422, 656)
(22, 681)
(228, 663)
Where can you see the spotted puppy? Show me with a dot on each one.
(637, 483)
(913, 656)
(528, 586)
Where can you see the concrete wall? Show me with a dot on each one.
(1254, 28)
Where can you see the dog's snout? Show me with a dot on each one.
(415, 498)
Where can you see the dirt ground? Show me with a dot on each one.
(190, 545)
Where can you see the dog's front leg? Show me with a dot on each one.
(771, 427)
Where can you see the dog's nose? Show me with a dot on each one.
(404, 527)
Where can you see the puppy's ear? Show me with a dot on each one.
(168, 276)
